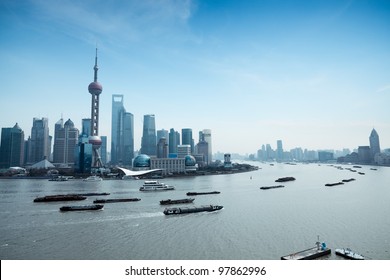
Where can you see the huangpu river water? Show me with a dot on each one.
(254, 224)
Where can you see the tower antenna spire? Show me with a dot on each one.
(95, 68)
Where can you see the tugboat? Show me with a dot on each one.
(186, 210)
(349, 254)
(176, 201)
(309, 254)
(82, 207)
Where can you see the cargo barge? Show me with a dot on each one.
(202, 193)
(186, 210)
(60, 197)
(271, 187)
(81, 207)
(285, 179)
(177, 201)
(113, 200)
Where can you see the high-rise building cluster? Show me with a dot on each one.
(86, 151)
(371, 154)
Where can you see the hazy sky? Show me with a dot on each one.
(315, 74)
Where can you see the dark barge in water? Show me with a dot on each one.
(334, 184)
(60, 197)
(113, 200)
(285, 179)
(186, 210)
(176, 201)
(348, 180)
(202, 193)
(82, 207)
(271, 187)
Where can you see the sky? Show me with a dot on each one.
(314, 74)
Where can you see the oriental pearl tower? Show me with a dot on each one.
(95, 89)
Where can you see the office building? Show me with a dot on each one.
(162, 148)
(149, 141)
(65, 142)
(279, 150)
(39, 142)
(12, 147)
(174, 141)
(374, 144)
(186, 138)
(122, 133)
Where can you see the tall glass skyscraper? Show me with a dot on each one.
(12, 147)
(40, 146)
(174, 141)
(186, 138)
(374, 143)
(122, 133)
(149, 139)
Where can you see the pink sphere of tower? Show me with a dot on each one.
(95, 141)
(95, 88)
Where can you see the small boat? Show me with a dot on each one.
(285, 179)
(271, 187)
(348, 180)
(334, 184)
(176, 201)
(361, 173)
(309, 254)
(113, 200)
(202, 193)
(373, 169)
(186, 210)
(93, 178)
(60, 197)
(155, 186)
(356, 166)
(349, 254)
(82, 207)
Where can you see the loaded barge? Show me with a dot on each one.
(60, 197)
(81, 207)
(271, 187)
(176, 201)
(113, 200)
(285, 179)
(202, 193)
(186, 210)
(309, 254)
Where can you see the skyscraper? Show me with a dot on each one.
(279, 150)
(95, 89)
(122, 132)
(374, 144)
(149, 142)
(12, 147)
(186, 138)
(65, 142)
(174, 140)
(40, 146)
(206, 134)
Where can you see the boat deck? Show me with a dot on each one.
(309, 254)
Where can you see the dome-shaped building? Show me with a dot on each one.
(141, 161)
(190, 160)
(190, 163)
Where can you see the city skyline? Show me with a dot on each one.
(315, 75)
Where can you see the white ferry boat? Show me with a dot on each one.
(155, 186)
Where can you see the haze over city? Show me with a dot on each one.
(315, 74)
